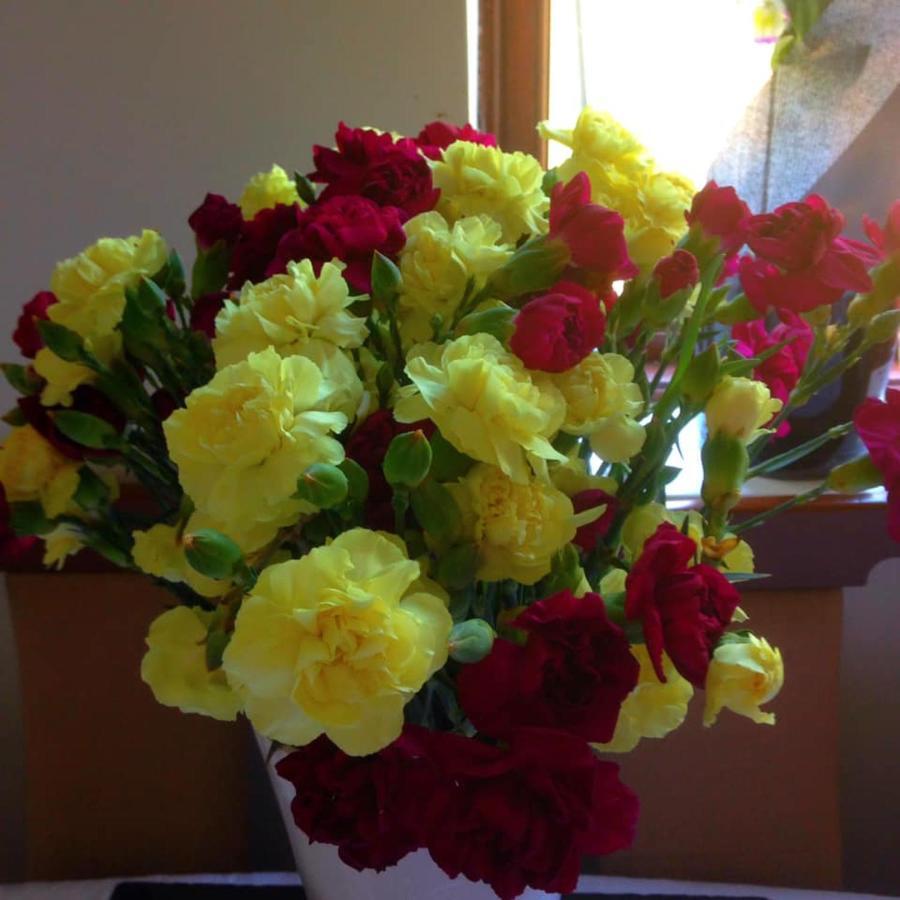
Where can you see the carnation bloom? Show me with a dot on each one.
(174, 666)
(347, 228)
(602, 401)
(571, 675)
(801, 261)
(720, 213)
(214, 220)
(485, 403)
(437, 263)
(26, 336)
(64, 541)
(90, 287)
(438, 135)
(517, 528)
(257, 245)
(64, 378)
(589, 535)
(740, 407)
(594, 235)
(878, 424)
(781, 371)
(267, 190)
(375, 165)
(683, 609)
(286, 312)
(743, 675)
(204, 310)
(474, 180)
(676, 272)
(886, 240)
(653, 709)
(32, 469)
(558, 329)
(336, 643)
(245, 438)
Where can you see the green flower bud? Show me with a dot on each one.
(536, 265)
(882, 297)
(883, 327)
(471, 641)
(855, 476)
(407, 460)
(497, 321)
(212, 553)
(725, 464)
(701, 376)
(357, 479)
(386, 278)
(322, 485)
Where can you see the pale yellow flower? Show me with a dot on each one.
(158, 551)
(61, 543)
(740, 407)
(63, 377)
(32, 469)
(267, 190)
(742, 676)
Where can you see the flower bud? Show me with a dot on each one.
(322, 485)
(701, 376)
(497, 321)
(386, 278)
(725, 464)
(212, 553)
(471, 641)
(855, 476)
(883, 327)
(408, 459)
(535, 266)
(739, 407)
(882, 297)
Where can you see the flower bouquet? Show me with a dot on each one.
(403, 444)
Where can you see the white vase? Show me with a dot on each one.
(325, 877)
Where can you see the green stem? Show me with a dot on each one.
(799, 500)
(789, 456)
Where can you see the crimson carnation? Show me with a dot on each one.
(26, 335)
(524, 815)
(204, 311)
(256, 247)
(438, 135)
(594, 235)
(781, 371)
(363, 805)
(214, 220)
(801, 261)
(557, 330)
(886, 240)
(684, 609)
(675, 272)
(878, 424)
(374, 165)
(348, 228)
(572, 674)
(588, 536)
(720, 212)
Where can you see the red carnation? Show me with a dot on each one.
(680, 270)
(204, 311)
(364, 805)
(438, 135)
(878, 424)
(801, 261)
(594, 235)
(348, 228)
(557, 330)
(588, 536)
(26, 336)
(572, 675)
(524, 815)
(368, 164)
(256, 247)
(780, 372)
(214, 220)
(886, 240)
(683, 609)
(720, 213)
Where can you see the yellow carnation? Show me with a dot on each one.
(32, 469)
(63, 377)
(159, 552)
(659, 224)
(743, 675)
(516, 527)
(286, 312)
(59, 544)
(602, 401)
(485, 403)
(337, 642)
(653, 708)
(437, 262)
(174, 666)
(740, 407)
(90, 287)
(267, 190)
(573, 476)
(507, 187)
(244, 439)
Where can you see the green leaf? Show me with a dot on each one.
(216, 642)
(22, 379)
(29, 519)
(210, 269)
(447, 463)
(306, 190)
(66, 344)
(436, 511)
(171, 276)
(386, 278)
(92, 493)
(783, 48)
(739, 577)
(357, 479)
(87, 430)
(15, 417)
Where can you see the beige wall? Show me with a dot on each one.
(121, 114)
